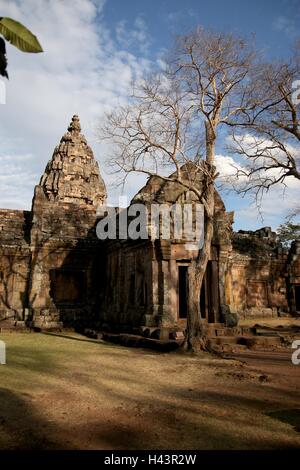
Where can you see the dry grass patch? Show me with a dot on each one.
(69, 392)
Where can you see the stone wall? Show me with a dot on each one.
(128, 283)
(294, 277)
(14, 263)
(258, 274)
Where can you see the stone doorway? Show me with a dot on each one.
(209, 296)
(183, 295)
(297, 297)
(67, 287)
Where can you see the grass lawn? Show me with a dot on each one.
(69, 392)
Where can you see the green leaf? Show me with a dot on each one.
(19, 36)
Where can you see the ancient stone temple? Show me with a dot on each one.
(156, 272)
(50, 264)
(55, 271)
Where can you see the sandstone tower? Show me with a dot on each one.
(64, 247)
(72, 175)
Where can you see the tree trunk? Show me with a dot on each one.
(196, 329)
(196, 338)
(196, 334)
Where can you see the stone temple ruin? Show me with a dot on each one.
(55, 272)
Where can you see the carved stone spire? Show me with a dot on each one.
(74, 127)
(72, 175)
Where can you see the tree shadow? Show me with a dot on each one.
(126, 401)
(20, 425)
(74, 338)
(291, 417)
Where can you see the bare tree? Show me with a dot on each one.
(266, 139)
(212, 68)
(163, 126)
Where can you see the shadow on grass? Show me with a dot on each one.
(291, 417)
(121, 342)
(20, 426)
(125, 414)
(74, 338)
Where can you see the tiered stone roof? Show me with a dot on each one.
(72, 175)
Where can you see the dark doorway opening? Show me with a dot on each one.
(67, 287)
(212, 289)
(203, 300)
(183, 290)
(132, 289)
(297, 297)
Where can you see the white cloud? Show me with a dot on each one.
(85, 69)
(276, 204)
(286, 25)
(180, 19)
(15, 158)
(16, 180)
(227, 166)
(135, 37)
(82, 71)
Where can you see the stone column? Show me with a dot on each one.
(223, 260)
(215, 292)
(163, 251)
(174, 290)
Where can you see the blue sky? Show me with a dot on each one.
(274, 22)
(93, 49)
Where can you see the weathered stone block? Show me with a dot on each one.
(230, 319)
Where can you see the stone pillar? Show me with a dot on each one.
(163, 251)
(223, 260)
(228, 285)
(223, 234)
(214, 290)
(174, 290)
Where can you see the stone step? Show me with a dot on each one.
(47, 326)
(7, 325)
(275, 331)
(219, 332)
(215, 325)
(221, 340)
(235, 331)
(264, 341)
(225, 331)
(246, 330)
(229, 346)
(7, 322)
(244, 341)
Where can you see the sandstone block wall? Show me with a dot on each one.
(14, 262)
(258, 271)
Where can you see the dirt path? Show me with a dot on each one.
(69, 392)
